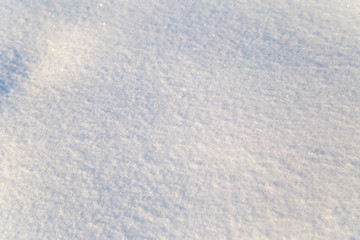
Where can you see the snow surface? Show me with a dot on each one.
(185, 119)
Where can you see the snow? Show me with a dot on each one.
(179, 119)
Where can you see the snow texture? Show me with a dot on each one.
(186, 119)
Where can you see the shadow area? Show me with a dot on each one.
(12, 71)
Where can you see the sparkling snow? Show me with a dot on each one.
(179, 119)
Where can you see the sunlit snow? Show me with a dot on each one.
(179, 119)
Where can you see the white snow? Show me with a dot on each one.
(179, 119)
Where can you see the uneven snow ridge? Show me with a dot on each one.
(179, 119)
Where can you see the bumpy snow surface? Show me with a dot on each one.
(185, 119)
